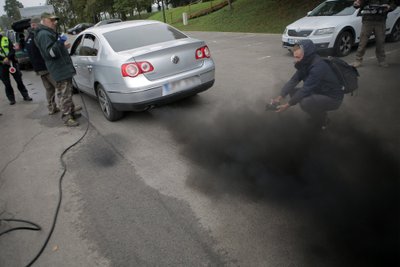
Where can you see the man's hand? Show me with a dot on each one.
(62, 38)
(6, 61)
(282, 108)
(276, 100)
(357, 3)
(67, 45)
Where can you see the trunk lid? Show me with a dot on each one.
(170, 58)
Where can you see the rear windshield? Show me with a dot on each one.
(334, 8)
(138, 36)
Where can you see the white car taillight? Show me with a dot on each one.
(203, 52)
(135, 69)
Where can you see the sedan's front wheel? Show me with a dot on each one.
(106, 106)
(344, 43)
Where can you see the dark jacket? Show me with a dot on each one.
(54, 53)
(35, 57)
(317, 76)
(369, 13)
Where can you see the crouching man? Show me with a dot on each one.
(321, 90)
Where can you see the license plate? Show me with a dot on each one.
(291, 41)
(181, 85)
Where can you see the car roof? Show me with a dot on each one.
(120, 25)
(107, 21)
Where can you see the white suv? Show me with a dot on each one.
(335, 25)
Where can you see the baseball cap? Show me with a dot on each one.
(46, 15)
(35, 19)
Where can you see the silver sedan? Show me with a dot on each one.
(137, 65)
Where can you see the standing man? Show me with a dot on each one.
(8, 65)
(374, 13)
(54, 51)
(321, 90)
(39, 66)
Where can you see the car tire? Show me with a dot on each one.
(106, 106)
(343, 44)
(73, 32)
(395, 34)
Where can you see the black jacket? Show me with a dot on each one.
(317, 76)
(54, 53)
(36, 58)
(371, 13)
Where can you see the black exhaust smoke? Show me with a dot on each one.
(345, 180)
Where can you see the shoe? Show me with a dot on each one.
(77, 108)
(54, 111)
(383, 64)
(27, 98)
(12, 102)
(356, 64)
(71, 123)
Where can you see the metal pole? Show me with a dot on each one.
(163, 11)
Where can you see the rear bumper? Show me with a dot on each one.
(149, 98)
(23, 60)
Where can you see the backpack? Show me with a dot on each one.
(347, 74)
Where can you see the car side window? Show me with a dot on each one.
(76, 46)
(90, 46)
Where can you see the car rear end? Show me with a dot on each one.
(17, 36)
(163, 66)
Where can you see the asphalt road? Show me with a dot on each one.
(214, 180)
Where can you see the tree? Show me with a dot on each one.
(64, 10)
(11, 8)
(5, 22)
(230, 4)
(131, 7)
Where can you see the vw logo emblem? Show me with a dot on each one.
(175, 59)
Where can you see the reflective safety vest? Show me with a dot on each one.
(4, 51)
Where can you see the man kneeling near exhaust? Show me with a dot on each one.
(321, 90)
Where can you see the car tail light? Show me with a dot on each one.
(135, 69)
(203, 52)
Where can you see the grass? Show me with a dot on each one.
(174, 15)
(258, 16)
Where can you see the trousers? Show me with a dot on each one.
(317, 106)
(50, 86)
(5, 77)
(368, 28)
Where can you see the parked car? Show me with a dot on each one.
(17, 36)
(107, 21)
(79, 28)
(136, 65)
(335, 25)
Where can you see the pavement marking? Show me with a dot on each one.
(255, 44)
(262, 58)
